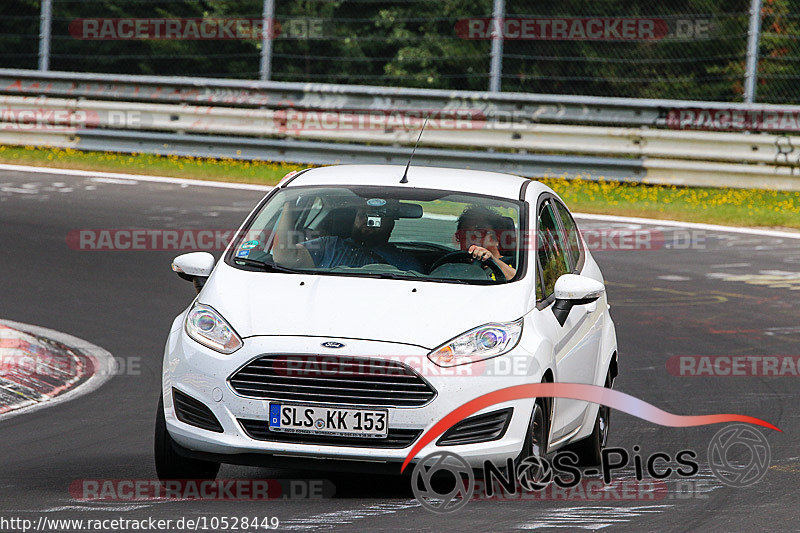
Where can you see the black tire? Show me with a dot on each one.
(589, 449)
(171, 465)
(536, 438)
(533, 474)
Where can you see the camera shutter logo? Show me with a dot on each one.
(739, 455)
(534, 473)
(459, 488)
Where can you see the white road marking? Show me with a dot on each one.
(674, 278)
(781, 273)
(114, 181)
(788, 330)
(774, 279)
(105, 362)
(589, 517)
(265, 188)
(694, 225)
(133, 177)
(732, 265)
(116, 509)
(18, 190)
(347, 516)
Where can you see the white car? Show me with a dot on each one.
(356, 309)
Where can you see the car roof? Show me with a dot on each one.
(449, 179)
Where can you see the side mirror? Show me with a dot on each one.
(572, 290)
(194, 267)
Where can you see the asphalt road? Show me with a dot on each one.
(732, 294)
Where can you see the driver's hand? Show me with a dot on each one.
(479, 252)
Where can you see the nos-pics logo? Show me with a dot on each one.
(443, 482)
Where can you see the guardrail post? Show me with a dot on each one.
(45, 23)
(268, 17)
(496, 67)
(753, 37)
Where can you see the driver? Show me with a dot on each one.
(367, 243)
(477, 233)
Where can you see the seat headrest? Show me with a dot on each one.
(507, 235)
(339, 222)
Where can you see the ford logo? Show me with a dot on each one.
(332, 344)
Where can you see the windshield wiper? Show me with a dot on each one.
(272, 267)
(263, 265)
(393, 275)
(451, 280)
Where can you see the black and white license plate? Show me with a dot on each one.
(334, 421)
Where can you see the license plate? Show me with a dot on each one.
(334, 421)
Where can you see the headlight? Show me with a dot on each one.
(483, 342)
(207, 327)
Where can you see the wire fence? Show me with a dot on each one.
(677, 49)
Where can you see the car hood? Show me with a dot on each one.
(425, 314)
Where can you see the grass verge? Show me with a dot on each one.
(734, 207)
(230, 170)
(737, 207)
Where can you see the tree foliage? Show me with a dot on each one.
(414, 43)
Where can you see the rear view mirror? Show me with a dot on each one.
(194, 267)
(572, 290)
(407, 210)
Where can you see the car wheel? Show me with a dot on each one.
(589, 449)
(536, 439)
(531, 468)
(171, 465)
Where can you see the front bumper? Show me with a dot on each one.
(203, 374)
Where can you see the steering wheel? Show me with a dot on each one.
(466, 257)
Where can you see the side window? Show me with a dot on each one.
(314, 211)
(551, 250)
(308, 210)
(571, 237)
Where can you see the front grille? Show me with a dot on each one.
(194, 412)
(397, 438)
(332, 379)
(480, 428)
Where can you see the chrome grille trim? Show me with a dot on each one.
(339, 379)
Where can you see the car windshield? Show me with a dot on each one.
(389, 232)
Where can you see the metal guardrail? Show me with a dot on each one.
(562, 109)
(325, 153)
(271, 94)
(337, 126)
(276, 95)
(582, 136)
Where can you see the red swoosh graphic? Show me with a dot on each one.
(576, 391)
